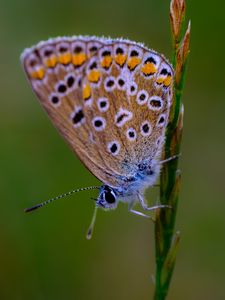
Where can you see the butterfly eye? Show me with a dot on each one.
(110, 197)
(107, 198)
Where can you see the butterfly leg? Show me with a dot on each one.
(146, 207)
(170, 158)
(138, 213)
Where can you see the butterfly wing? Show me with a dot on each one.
(109, 100)
(134, 85)
(55, 70)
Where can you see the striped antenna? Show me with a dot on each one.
(59, 197)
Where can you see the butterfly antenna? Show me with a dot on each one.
(59, 197)
(91, 227)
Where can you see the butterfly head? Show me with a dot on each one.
(107, 198)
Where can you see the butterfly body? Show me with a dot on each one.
(110, 100)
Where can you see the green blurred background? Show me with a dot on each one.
(45, 255)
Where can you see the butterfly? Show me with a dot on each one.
(110, 99)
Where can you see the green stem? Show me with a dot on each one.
(166, 241)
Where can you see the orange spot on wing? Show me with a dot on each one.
(79, 59)
(39, 73)
(148, 68)
(65, 58)
(86, 92)
(160, 80)
(133, 63)
(51, 61)
(120, 59)
(167, 81)
(94, 76)
(106, 61)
